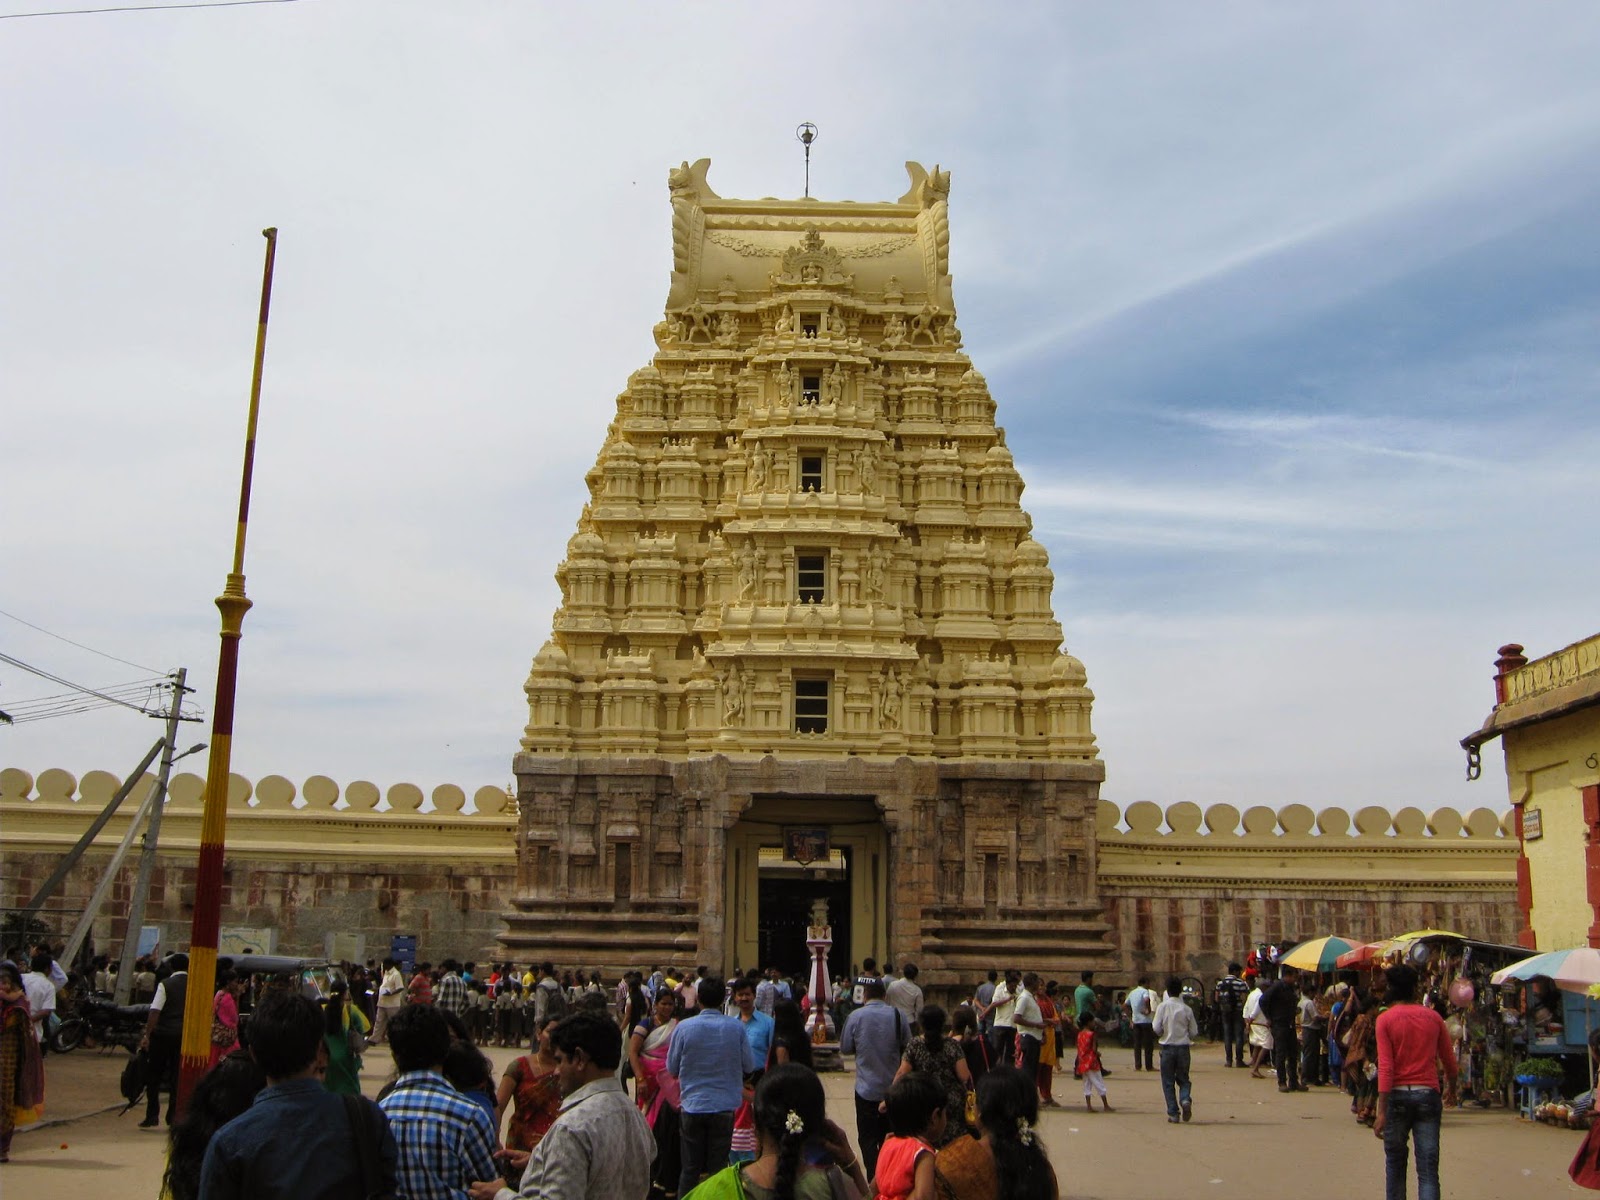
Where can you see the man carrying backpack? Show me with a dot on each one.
(549, 997)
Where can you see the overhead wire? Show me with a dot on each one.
(79, 645)
(43, 674)
(125, 8)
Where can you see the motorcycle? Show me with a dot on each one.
(101, 1022)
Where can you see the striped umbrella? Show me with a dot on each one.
(1572, 970)
(1361, 956)
(1319, 954)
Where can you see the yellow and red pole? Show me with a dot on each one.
(233, 604)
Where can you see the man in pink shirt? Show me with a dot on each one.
(1412, 1043)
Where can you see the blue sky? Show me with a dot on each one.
(1290, 311)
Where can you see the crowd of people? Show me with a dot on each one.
(724, 1098)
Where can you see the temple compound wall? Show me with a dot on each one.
(1186, 891)
(1181, 890)
(301, 862)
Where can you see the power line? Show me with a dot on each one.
(85, 12)
(124, 691)
(79, 645)
(43, 674)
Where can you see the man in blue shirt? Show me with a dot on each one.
(446, 1142)
(876, 1034)
(710, 1055)
(296, 1140)
(757, 1025)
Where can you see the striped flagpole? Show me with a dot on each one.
(233, 604)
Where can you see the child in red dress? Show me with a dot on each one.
(915, 1107)
(1090, 1067)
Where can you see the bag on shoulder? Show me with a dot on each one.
(556, 1004)
(358, 1040)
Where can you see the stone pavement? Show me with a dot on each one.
(1245, 1135)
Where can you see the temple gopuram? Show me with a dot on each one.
(805, 650)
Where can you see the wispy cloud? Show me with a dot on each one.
(1338, 433)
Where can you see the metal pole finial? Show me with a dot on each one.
(806, 134)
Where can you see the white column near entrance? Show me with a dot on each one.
(819, 940)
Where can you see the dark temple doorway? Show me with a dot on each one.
(787, 894)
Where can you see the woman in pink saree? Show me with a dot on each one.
(657, 1092)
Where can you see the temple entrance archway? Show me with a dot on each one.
(770, 899)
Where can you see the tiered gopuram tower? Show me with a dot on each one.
(805, 649)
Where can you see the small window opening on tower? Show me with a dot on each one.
(808, 326)
(811, 705)
(811, 389)
(811, 577)
(811, 472)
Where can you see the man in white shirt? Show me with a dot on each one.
(1175, 1025)
(391, 997)
(1141, 1004)
(40, 991)
(599, 1147)
(1258, 1030)
(1003, 1045)
(1029, 1022)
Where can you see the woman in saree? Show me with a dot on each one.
(531, 1087)
(225, 1016)
(21, 1066)
(790, 1119)
(1008, 1161)
(656, 1091)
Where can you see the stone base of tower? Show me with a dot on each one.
(958, 866)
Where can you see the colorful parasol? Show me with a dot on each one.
(1361, 956)
(1319, 954)
(1573, 970)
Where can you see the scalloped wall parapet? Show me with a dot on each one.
(274, 793)
(1225, 824)
(271, 817)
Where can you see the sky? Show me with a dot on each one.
(1290, 311)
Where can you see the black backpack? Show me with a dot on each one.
(135, 1077)
(555, 1000)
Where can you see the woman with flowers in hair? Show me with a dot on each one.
(800, 1154)
(1008, 1160)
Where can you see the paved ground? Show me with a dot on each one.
(1244, 1134)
